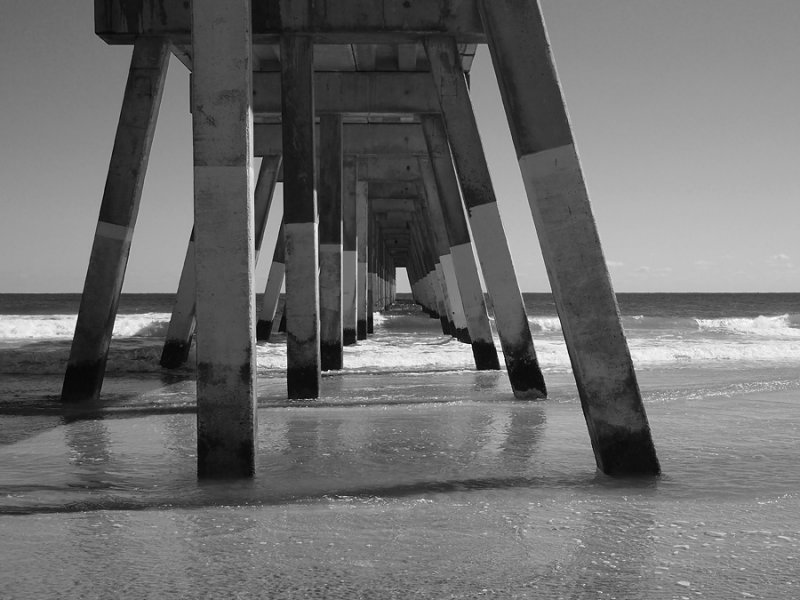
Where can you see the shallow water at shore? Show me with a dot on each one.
(413, 476)
(451, 492)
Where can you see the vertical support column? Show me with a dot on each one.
(440, 169)
(300, 217)
(118, 211)
(380, 267)
(559, 201)
(487, 228)
(222, 120)
(349, 252)
(330, 241)
(362, 240)
(272, 293)
(182, 323)
(372, 278)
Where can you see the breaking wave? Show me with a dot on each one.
(406, 343)
(28, 327)
(780, 326)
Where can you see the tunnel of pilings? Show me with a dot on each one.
(363, 112)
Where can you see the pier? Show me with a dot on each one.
(363, 112)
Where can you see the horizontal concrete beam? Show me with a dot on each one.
(394, 227)
(354, 93)
(333, 21)
(393, 189)
(389, 168)
(404, 139)
(382, 205)
(380, 169)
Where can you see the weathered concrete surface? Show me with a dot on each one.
(559, 201)
(269, 304)
(332, 21)
(362, 277)
(349, 252)
(330, 188)
(182, 322)
(118, 211)
(438, 174)
(300, 219)
(378, 93)
(487, 229)
(363, 139)
(224, 239)
(372, 277)
(441, 242)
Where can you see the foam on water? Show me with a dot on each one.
(413, 475)
(31, 327)
(787, 325)
(779, 326)
(407, 343)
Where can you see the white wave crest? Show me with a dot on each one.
(780, 326)
(21, 327)
(545, 323)
(705, 352)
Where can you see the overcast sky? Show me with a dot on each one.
(686, 114)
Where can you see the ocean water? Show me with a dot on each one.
(413, 476)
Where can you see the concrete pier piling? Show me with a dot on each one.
(487, 229)
(443, 189)
(433, 209)
(224, 238)
(403, 183)
(118, 211)
(262, 200)
(269, 304)
(559, 201)
(300, 218)
(349, 252)
(372, 276)
(362, 274)
(330, 241)
(182, 322)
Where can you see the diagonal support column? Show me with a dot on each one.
(224, 238)
(487, 229)
(118, 211)
(182, 323)
(444, 187)
(441, 244)
(272, 293)
(300, 218)
(349, 252)
(551, 170)
(330, 241)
